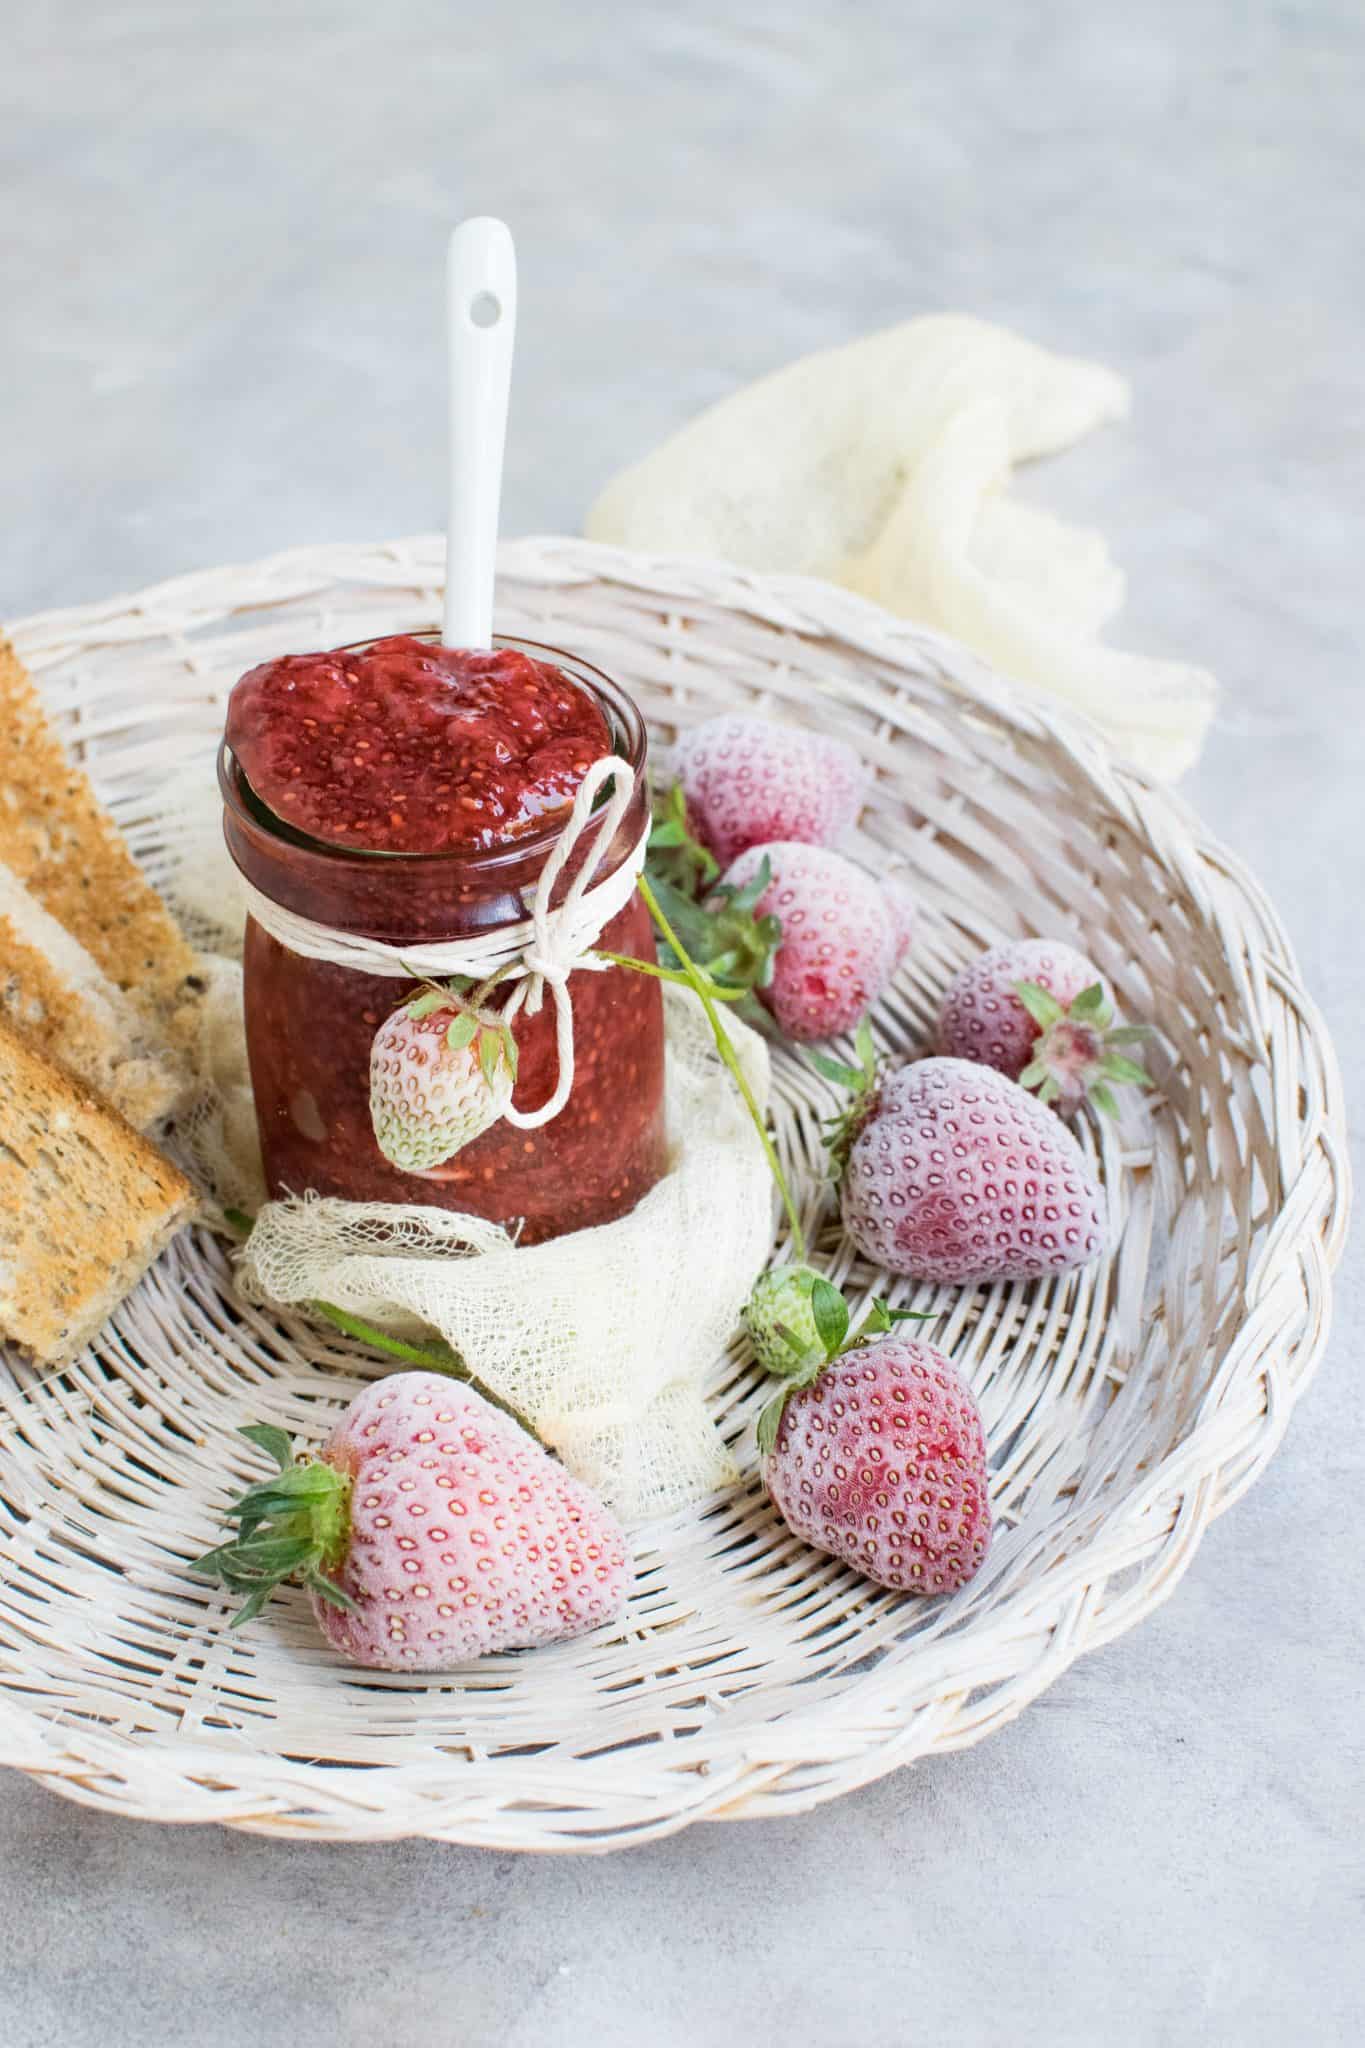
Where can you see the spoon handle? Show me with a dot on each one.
(481, 323)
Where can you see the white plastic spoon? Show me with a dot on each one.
(481, 324)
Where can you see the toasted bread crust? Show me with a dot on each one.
(83, 1037)
(66, 849)
(85, 1205)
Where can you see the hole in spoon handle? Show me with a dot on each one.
(481, 318)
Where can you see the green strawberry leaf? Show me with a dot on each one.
(830, 1069)
(746, 898)
(1042, 1007)
(830, 1312)
(676, 856)
(429, 1000)
(1102, 1095)
(1129, 1034)
(722, 935)
(461, 1032)
(1115, 1067)
(489, 1056)
(328, 1590)
(252, 1605)
(879, 1318)
(770, 1421)
(274, 1442)
(1089, 1004)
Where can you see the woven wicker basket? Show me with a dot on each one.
(1125, 1407)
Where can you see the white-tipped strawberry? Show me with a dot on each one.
(439, 1075)
(1038, 1012)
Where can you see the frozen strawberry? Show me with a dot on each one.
(874, 1451)
(748, 781)
(780, 1320)
(843, 934)
(438, 1077)
(428, 1530)
(1038, 1011)
(960, 1174)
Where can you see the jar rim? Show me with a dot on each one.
(630, 744)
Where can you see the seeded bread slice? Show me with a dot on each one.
(53, 994)
(85, 1205)
(66, 850)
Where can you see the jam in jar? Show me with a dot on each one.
(412, 793)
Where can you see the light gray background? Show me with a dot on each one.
(222, 238)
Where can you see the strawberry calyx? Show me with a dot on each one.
(1077, 1054)
(294, 1525)
(745, 944)
(832, 1318)
(862, 1082)
(722, 935)
(472, 1024)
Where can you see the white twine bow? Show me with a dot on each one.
(538, 952)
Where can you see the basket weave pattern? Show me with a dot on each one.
(1125, 1406)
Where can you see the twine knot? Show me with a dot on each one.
(540, 952)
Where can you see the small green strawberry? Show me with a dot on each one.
(439, 1075)
(780, 1319)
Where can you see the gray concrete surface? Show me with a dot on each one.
(222, 231)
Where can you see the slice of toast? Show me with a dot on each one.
(85, 1205)
(66, 850)
(54, 995)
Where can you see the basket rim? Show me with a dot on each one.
(799, 1760)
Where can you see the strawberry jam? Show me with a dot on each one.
(406, 746)
(421, 817)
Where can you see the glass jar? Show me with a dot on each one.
(310, 1023)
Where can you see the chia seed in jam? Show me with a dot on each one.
(412, 793)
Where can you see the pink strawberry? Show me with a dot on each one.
(429, 1529)
(748, 781)
(960, 1174)
(842, 935)
(1037, 1011)
(881, 1461)
(438, 1077)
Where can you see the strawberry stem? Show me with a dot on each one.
(704, 990)
(440, 1357)
(722, 995)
